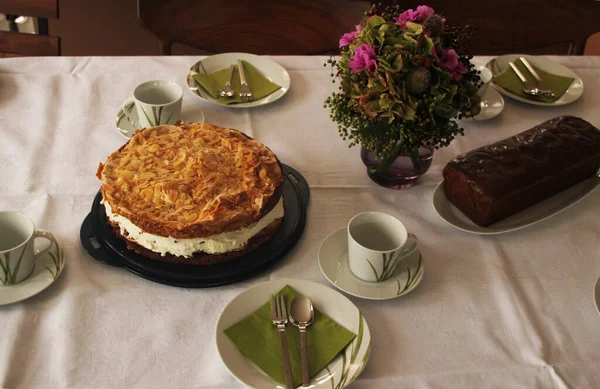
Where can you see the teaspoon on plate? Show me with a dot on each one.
(302, 315)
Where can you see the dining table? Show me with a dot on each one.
(513, 310)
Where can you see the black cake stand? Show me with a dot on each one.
(103, 245)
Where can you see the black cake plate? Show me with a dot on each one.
(99, 240)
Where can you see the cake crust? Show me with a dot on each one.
(191, 180)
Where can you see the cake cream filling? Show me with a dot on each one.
(213, 244)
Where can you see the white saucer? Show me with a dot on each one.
(340, 372)
(597, 295)
(46, 271)
(499, 65)
(269, 68)
(492, 103)
(190, 113)
(333, 260)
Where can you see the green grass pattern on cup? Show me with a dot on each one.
(147, 117)
(156, 115)
(10, 277)
(5, 259)
(412, 278)
(57, 259)
(353, 355)
(157, 118)
(389, 265)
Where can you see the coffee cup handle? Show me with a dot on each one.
(45, 235)
(130, 114)
(411, 245)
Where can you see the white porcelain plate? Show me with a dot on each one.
(333, 260)
(500, 64)
(269, 68)
(46, 271)
(534, 214)
(597, 295)
(190, 113)
(328, 301)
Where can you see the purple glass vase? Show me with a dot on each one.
(403, 173)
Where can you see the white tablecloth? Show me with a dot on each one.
(506, 311)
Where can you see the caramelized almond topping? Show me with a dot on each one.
(191, 180)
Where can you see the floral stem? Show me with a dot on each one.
(414, 157)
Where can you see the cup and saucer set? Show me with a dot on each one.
(492, 102)
(160, 102)
(26, 269)
(156, 103)
(374, 257)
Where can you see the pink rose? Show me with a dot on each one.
(405, 17)
(349, 37)
(419, 15)
(363, 59)
(423, 12)
(448, 60)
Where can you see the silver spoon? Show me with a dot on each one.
(301, 315)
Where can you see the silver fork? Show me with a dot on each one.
(227, 90)
(546, 91)
(245, 92)
(527, 87)
(279, 318)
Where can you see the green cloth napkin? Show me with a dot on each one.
(510, 81)
(258, 84)
(258, 339)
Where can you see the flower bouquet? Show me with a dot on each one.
(403, 79)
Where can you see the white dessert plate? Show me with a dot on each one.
(534, 214)
(338, 374)
(190, 113)
(597, 295)
(269, 68)
(46, 271)
(333, 260)
(500, 64)
(492, 104)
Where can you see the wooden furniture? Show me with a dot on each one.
(259, 27)
(592, 44)
(522, 26)
(311, 27)
(15, 44)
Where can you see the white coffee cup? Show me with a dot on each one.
(17, 256)
(154, 103)
(486, 77)
(377, 242)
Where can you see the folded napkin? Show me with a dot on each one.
(258, 84)
(510, 81)
(258, 339)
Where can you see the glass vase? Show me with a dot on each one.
(403, 173)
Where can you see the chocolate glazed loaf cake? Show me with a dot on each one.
(493, 182)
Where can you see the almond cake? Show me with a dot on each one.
(192, 193)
